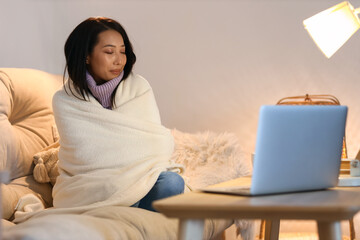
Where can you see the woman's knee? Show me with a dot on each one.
(172, 182)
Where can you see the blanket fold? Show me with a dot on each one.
(28, 203)
(110, 157)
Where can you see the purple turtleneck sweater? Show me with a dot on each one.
(104, 91)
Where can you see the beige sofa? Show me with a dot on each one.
(27, 127)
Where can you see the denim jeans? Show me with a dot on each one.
(168, 184)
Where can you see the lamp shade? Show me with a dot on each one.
(331, 28)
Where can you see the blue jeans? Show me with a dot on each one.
(168, 184)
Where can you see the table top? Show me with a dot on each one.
(332, 204)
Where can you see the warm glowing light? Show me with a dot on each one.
(331, 28)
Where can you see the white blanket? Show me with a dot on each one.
(109, 157)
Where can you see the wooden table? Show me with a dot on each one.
(327, 207)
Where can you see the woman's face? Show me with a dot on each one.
(108, 59)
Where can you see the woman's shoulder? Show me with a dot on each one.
(59, 94)
(130, 88)
(137, 82)
(137, 79)
(65, 94)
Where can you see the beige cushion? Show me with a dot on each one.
(6, 223)
(26, 127)
(106, 223)
(12, 192)
(26, 118)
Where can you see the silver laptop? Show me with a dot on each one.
(298, 148)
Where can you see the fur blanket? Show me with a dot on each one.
(109, 157)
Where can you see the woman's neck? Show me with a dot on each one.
(103, 92)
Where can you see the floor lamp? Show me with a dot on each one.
(330, 29)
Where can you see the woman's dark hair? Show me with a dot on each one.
(81, 43)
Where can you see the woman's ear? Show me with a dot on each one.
(87, 60)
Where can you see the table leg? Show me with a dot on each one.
(352, 229)
(328, 230)
(272, 229)
(191, 229)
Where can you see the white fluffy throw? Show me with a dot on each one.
(210, 157)
(109, 157)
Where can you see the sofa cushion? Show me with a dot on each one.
(26, 119)
(19, 187)
(113, 222)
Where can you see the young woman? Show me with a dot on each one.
(114, 150)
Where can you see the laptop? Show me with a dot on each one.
(298, 148)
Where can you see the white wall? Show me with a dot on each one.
(211, 63)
